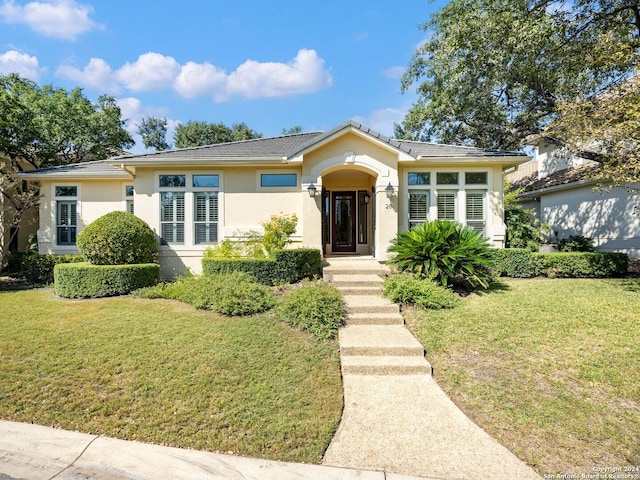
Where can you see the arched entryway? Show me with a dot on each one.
(348, 211)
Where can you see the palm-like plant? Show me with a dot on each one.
(446, 252)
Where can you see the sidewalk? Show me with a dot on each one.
(33, 452)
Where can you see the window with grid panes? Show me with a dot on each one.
(476, 210)
(446, 205)
(66, 215)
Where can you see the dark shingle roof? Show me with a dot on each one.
(565, 177)
(95, 169)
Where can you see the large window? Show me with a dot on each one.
(446, 205)
(418, 207)
(66, 214)
(189, 205)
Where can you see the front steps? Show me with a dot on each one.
(375, 340)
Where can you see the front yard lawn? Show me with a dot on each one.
(550, 368)
(160, 371)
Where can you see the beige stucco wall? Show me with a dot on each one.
(95, 198)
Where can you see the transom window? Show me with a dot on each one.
(419, 178)
(447, 178)
(206, 181)
(172, 181)
(475, 178)
(71, 191)
(278, 179)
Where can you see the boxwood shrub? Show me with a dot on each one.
(407, 289)
(36, 268)
(579, 264)
(287, 266)
(513, 262)
(84, 280)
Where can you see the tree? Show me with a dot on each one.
(494, 71)
(195, 134)
(47, 126)
(292, 131)
(154, 133)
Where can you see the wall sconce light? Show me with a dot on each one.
(312, 190)
(389, 190)
(367, 198)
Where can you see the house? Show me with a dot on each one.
(558, 187)
(352, 189)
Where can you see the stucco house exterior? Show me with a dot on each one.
(351, 188)
(558, 188)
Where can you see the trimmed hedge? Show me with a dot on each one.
(288, 266)
(513, 262)
(579, 264)
(84, 280)
(407, 289)
(522, 263)
(36, 268)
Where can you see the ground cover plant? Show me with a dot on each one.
(549, 367)
(163, 372)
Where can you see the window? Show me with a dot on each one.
(128, 193)
(66, 215)
(171, 181)
(278, 179)
(476, 210)
(418, 207)
(205, 217)
(172, 217)
(446, 205)
(206, 181)
(447, 178)
(419, 178)
(475, 178)
(362, 215)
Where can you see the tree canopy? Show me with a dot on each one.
(154, 133)
(494, 71)
(47, 126)
(195, 133)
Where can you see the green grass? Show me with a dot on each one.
(550, 368)
(160, 371)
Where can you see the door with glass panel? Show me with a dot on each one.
(343, 221)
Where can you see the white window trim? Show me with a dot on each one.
(189, 205)
(296, 188)
(54, 213)
(126, 197)
(485, 195)
(456, 194)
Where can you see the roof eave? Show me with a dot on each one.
(556, 188)
(190, 162)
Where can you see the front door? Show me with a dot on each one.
(344, 221)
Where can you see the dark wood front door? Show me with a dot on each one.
(343, 219)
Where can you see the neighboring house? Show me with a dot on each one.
(351, 188)
(557, 186)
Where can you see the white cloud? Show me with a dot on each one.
(197, 79)
(152, 71)
(382, 120)
(62, 19)
(394, 72)
(306, 73)
(97, 74)
(26, 65)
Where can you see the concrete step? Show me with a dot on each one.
(374, 319)
(360, 290)
(369, 304)
(352, 280)
(388, 365)
(378, 340)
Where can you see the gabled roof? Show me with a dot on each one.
(98, 169)
(269, 151)
(561, 179)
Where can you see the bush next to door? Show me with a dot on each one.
(84, 280)
(287, 266)
(407, 289)
(314, 306)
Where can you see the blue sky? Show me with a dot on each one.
(271, 64)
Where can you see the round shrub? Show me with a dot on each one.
(406, 289)
(445, 252)
(314, 306)
(118, 238)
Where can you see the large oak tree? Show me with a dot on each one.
(47, 126)
(493, 72)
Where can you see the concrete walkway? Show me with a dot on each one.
(396, 418)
